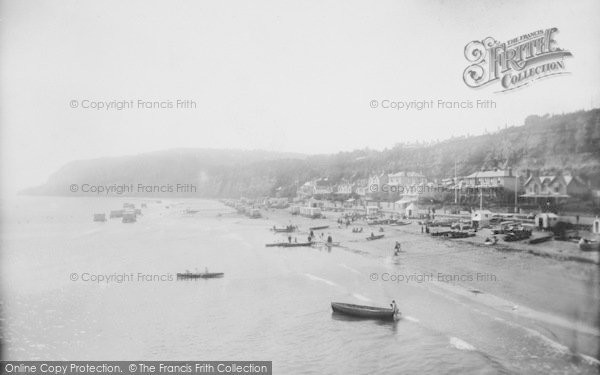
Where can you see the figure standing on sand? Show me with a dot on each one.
(397, 248)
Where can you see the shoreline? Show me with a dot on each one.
(547, 287)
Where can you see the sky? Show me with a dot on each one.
(291, 76)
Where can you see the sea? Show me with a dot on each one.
(75, 289)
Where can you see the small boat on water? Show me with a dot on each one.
(373, 237)
(200, 275)
(490, 241)
(319, 228)
(289, 244)
(325, 243)
(365, 312)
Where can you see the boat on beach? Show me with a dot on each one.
(319, 227)
(589, 245)
(459, 234)
(377, 237)
(401, 223)
(541, 239)
(199, 275)
(288, 229)
(365, 312)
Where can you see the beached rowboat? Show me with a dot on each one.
(366, 312)
(400, 223)
(319, 228)
(589, 245)
(283, 230)
(371, 238)
(540, 239)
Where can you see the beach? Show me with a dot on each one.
(73, 288)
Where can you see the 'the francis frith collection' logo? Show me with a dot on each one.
(514, 63)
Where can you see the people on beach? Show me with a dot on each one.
(394, 307)
(397, 248)
(329, 239)
(290, 239)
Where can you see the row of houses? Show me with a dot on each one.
(532, 187)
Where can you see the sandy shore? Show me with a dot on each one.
(552, 283)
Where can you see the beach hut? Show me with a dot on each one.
(596, 226)
(116, 213)
(411, 210)
(546, 220)
(481, 218)
(372, 210)
(312, 212)
(129, 217)
(99, 217)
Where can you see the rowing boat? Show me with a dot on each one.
(289, 244)
(370, 238)
(200, 275)
(283, 230)
(319, 228)
(401, 223)
(589, 245)
(365, 312)
(540, 239)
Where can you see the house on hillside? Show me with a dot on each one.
(344, 188)
(554, 187)
(406, 179)
(361, 187)
(498, 178)
(376, 183)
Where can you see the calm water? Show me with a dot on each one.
(272, 304)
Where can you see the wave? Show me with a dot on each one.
(349, 268)
(361, 297)
(316, 278)
(461, 344)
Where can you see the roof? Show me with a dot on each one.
(406, 174)
(545, 196)
(498, 173)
